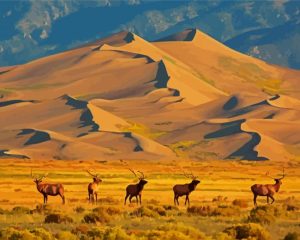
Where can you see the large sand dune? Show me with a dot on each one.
(121, 97)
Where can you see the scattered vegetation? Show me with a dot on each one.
(248, 231)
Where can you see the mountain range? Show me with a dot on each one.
(268, 30)
(185, 96)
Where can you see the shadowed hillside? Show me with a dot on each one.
(121, 97)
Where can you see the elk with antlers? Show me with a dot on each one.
(51, 189)
(135, 190)
(267, 190)
(93, 187)
(185, 189)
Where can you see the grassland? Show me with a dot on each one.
(221, 207)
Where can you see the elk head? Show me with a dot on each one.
(277, 180)
(37, 179)
(195, 182)
(141, 178)
(96, 178)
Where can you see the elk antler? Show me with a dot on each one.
(142, 175)
(132, 172)
(283, 175)
(190, 175)
(93, 175)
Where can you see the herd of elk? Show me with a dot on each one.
(93, 187)
(185, 189)
(135, 190)
(51, 189)
(267, 190)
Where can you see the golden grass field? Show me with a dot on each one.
(222, 182)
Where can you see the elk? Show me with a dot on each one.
(51, 189)
(185, 189)
(267, 190)
(93, 187)
(135, 190)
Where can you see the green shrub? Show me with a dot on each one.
(57, 218)
(248, 231)
(226, 211)
(81, 229)
(42, 233)
(176, 231)
(292, 236)
(240, 203)
(263, 214)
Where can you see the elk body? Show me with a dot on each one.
(185, 189)
(135, 190)
(267, 190)
(48, 189)
(93, 187)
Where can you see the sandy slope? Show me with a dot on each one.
(122, 97)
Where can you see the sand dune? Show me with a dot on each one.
(122, 97)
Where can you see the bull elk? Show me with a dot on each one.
(185, 189)
(267, 190)
(51, 189)
(135, 190)
(93, 187)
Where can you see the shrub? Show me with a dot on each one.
(16, 234)
(63, 235)
(144, 212)
(96, 216)
(115, 234)
(263, 214)
(79, 209)
(20, 210)
(160, 210)
(42, 233)
(240, 203)
(248, 231)
(170, 207)
(219, 199)
(200, 210)
(226, 211)
(173, 232)
(108, 210)
(81, 229)
(95, 233)
(292, 236)
(57, 218)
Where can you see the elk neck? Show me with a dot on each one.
(192, 186)
(277, 185)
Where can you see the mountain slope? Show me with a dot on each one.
(121, 97)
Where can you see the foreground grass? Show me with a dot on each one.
(221, 207)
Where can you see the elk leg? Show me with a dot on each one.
(174, 199)
(140, 199)
(267, 199)
(45, 199)
(127, 195)
(186, 198)
(177, 200)
(272, 199)
(130, 198)
(63, 198)
(254, 200)
(137, 199)
(96, 196)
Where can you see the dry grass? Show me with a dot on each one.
(222, 201)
